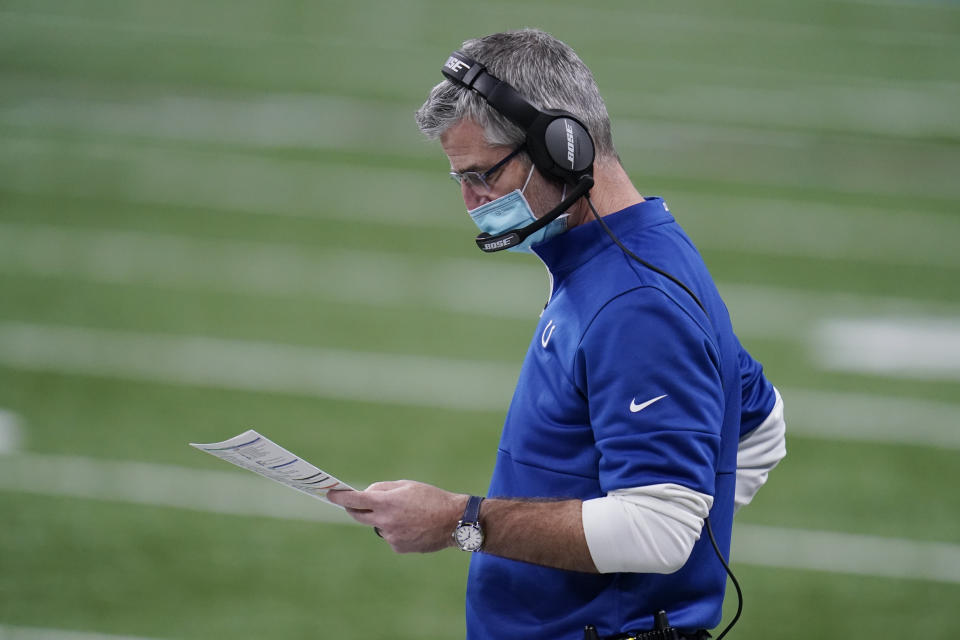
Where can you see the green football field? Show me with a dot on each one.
(218, 215)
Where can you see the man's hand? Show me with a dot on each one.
(412, 517)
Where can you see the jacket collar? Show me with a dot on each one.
(568, 251)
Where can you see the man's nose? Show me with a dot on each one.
(472, 198)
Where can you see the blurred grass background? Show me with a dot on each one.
(249, 173)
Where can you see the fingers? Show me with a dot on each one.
(350, 499)
(363, 506)
(364, 516)
(356, 504)
(388, 485)
(365, 499)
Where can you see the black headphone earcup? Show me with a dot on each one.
(567, 148)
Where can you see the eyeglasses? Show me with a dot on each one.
(477, 180)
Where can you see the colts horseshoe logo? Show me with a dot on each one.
(547, 333)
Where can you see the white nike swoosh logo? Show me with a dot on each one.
(634, 407)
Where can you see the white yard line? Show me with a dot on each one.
(8, 632)
(921, 348)
(790, 228)
(793, 113)
(662, 21)
(251, 184)
(229, 181)
(376, 278)
(11, 435)
(864, 417)
(466, 285)
(408, 380)
(229, 492)
(300, 120)
(947, 5)
(258, 366)
(846, 553)
(242, 494)
(796, 314)
(265, 120)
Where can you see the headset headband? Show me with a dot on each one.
(499, 94)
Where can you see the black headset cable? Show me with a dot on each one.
(680, 284)
(627, 251)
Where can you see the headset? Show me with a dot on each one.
(557, 142)
(560, 146)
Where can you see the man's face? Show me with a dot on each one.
(467, 150)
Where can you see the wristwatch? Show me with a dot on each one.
(468, 535)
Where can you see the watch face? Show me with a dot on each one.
(469, 537)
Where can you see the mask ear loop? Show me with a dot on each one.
(563, 194)
(529, 175)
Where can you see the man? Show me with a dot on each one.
(637, 413)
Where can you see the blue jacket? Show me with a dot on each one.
(615, 333)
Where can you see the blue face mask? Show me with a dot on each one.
(512, 211)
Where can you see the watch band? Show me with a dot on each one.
(472, 512)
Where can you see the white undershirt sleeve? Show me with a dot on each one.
(758, 452)
(648, 529)
(652, 529)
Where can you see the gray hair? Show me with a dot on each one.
(546, 71)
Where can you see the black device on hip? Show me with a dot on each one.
(661, 631)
